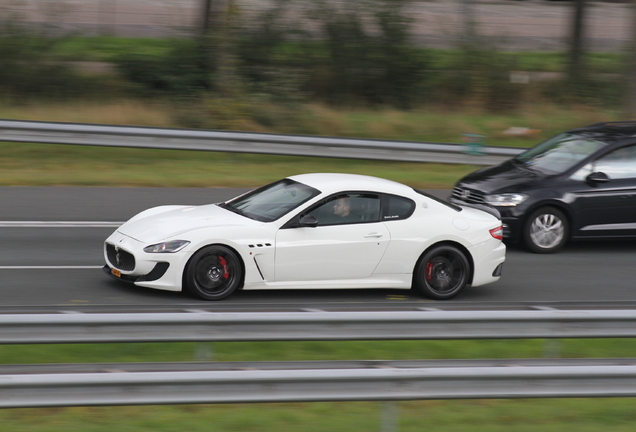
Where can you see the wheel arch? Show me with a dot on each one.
(233, 249)
(461, 247)
(548, 204)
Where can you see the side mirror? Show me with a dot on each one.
(308, 221)
(597, 177)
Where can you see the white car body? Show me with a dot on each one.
(382, 253)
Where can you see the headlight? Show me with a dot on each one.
(167, 247)
(505, 200)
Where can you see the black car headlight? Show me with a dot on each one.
(505, 200)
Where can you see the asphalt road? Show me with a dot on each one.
(44, 265)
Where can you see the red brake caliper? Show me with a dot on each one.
(226, 270)
(429, 271)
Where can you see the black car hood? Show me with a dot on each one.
(510, 176)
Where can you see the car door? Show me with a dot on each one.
(605, 199)
(341, 245)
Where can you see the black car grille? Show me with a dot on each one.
(120, 259)
(469, 196)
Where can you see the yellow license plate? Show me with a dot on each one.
(115, 272)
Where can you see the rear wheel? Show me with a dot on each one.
(442, 272)
(546, 230)
(213, 273)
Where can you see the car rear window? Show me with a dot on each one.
(396, 207)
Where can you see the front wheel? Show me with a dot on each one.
(442, 273)
(546, 230)
(213, 273)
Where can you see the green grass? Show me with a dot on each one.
(523, 415)
(109, 48)
(593, 415)
(316, 350)
(45, 165)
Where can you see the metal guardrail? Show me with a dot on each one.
(83, 385)
(244, 142)
(312, 385)
(332, 326)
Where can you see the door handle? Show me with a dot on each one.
(373, 235)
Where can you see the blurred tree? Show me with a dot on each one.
(576, 66)
(207, 8)
(631, 69)
(367, 54)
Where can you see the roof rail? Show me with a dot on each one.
(611, 123)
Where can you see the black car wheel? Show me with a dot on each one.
(213, 273)
(442, 273)
(546, 230)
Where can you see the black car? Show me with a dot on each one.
(580, 184)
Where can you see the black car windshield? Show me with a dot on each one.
(559, 153)
(270, 202)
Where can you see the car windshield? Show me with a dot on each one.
(560, 153)
(270, 202)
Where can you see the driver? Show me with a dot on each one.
(342, 207)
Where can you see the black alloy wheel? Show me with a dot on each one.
(213, 273)
(442, 272)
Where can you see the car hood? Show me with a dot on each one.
(174, 221)
(507, 177)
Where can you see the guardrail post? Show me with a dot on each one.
(390, 415)
(552, 348)
(204, 351)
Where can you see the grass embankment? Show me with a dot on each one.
(24, 164)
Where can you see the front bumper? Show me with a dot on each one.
(156, 273)
(511, 229)
(511, 219)
(150, 270)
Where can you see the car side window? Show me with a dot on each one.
(619, 164)
(347, 208)
(397, 208)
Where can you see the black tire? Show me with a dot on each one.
(442, 272)
(546, 230)
(213, 273)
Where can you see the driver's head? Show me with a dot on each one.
(342, 206)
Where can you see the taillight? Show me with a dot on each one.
(497, 232)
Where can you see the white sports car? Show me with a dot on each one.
(311, 231)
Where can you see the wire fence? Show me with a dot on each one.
(537, 25)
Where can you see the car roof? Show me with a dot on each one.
(336, 182)
(609, 132)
